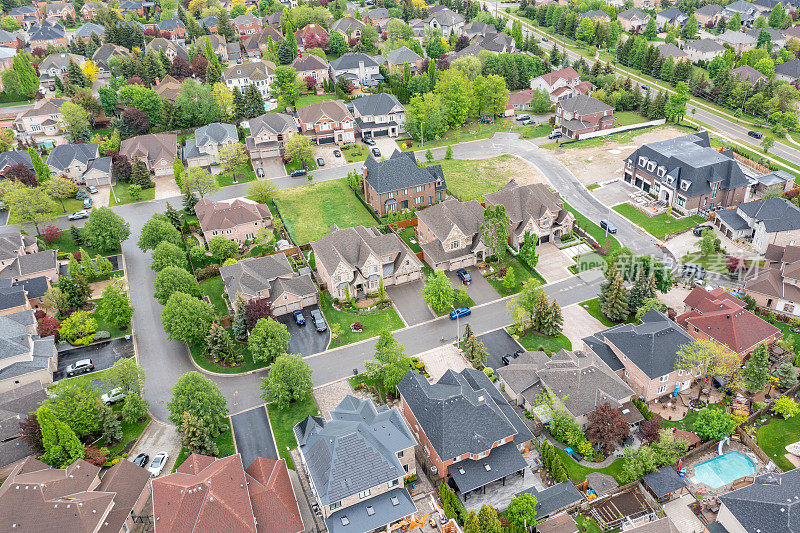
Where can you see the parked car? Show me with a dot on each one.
(698, 231)
(158, 464)
(507, 358)
(369, 141)
(376, 152)
(544, 39)
(80, 367)
(755, 134)
(528, 122)
(337, 153)
(298, 172)
(319, 320)
(113, 396)
(320, 162)
(77, 215)
(691, 270)
(87, 203)
(520, 118)
(92, 189)
(464, 276)
(554, 135)
(299, 318)
(141, 460)
(645, 88)
(608, 226)
(460, 312)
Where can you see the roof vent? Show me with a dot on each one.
(395, 501)
(487, 467)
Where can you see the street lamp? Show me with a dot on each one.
(421, 135)
(458, 326)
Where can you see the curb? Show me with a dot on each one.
(219, 374)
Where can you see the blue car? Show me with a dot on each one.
(460, 312)
(464, 276)
(299, 318)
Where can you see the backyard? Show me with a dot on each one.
(225, 447)
(408, 235)
(371, 322)
(309, 211)
(214, 288)
(627, 118)
(470, 179)
(773, 438)
(577, 471)
(283, 422)
(658, 226)
(66, 244)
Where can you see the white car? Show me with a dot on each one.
(158, 464)
(113, 396)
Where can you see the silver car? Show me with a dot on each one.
(113, 396)
(157, 465)
(319, 320)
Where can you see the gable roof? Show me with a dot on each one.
(400, 171)
(771, 503)
(402, 55)
(152, 148)
(63, 156)
(441, 218)
(160, 44)
(16, 404)
(255, 71)
(523, 202)
(352, 61)
(664, 481)
(309, 62)
(333, 109)
(790, 68)
(376, 104)
(777, 214)
(254, 274)
(582, 104)
(748, 73)
(107, 51)
(569, 74)
(226, 215)
(634, 13)
(273, 122)
(705, 45)
(554, 498)
(216, 133)
(89, 28)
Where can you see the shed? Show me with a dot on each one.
(664, 483)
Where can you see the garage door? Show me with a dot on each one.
(294, 306)
(380, 133)
(279, 310)
(309, 300)
(325, 140)
(401, 278)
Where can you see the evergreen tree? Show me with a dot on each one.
(75, 75)
(614, 299)
(285, 55)
(110, 425)
(173, 216)
(488, 519)
(756, 371)
(467, 332)
(787, 376)
(553, 321)
(253, 101)
(39, 166)
(239, 107)
(189, 201)
(196, 437)
(140, 175)
(219, 345)
(643, 289)
(240, 319)
(61, 445)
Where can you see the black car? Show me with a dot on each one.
(376, 151)
(141, 460)
(507, 358)
(298, 172)
(319, 320)
(320, 162)
(369, 142)
(337, 153)
(698, 231)
(755, 134)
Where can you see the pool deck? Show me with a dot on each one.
(705, 490)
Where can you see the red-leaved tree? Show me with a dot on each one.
(95, 456)
(21, 173)
(48, 326)
(199, 66)
(256, 309)
(180, 69)
(650, 428)
(51, 233)
(736, 265)
(137, 121)
(32, 433)
(608, 427)
(311, 83)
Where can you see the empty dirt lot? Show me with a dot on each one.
(601, 163)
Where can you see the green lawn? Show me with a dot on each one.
(104, 325)
(245, 169)
(309, 211)
(627, 118)
(593, 229)
(407, 234)
(130, 432)
(214, 288)
(658, 226)
(67, 245)
(540, 130)
(712, 263)
(624, 137)
(70, 206)
(372, 323)
(593, 308)
(593, 186)
(294, 165)
(577, 471)
(773, 438)
(198, 352)
(532, 341)
(521, 274)
(474, 131)
(123, 197)
(283, 422)
(355, 152)
(471, 179)
(310, 99)
(225, 447)
(587, 525)
(687, 422)
(94, 378)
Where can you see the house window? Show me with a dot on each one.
(393, 483)
(662, 379)
(454, 245)
(390, 195)
(363, 494)
(714, 189)
(419, 199)
(419, 188)
(405, 192)
(680, 372)
(336, 505)
(681, 201)
(662, 389)
(627, 374)
(789, 308)
(400, 454)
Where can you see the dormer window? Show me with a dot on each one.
(642, 161)
(685, 185)
(661, 172)
(651, 166)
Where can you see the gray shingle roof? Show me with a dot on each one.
(351, 61)
(45, 31)
(15, 341)
(8, 159)
(664, 481)
(216, 133)
(502, 461)
(372, 514)
(705, 45)
(171, 24)
(790, 68)
(64, 156)
(400, 171)
(376, 104)
(553, 499)
(89, 28)
(634, 13)
(273, 122)
(16, 404)
(402, 55)
(355, 450)
(732, 219)
(249, 276)
(778, 214)
(583, 104)
(748, 73)
(347, 25)
(770, 504)
(709, 10)
(103, 54)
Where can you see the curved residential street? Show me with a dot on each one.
(164, 361)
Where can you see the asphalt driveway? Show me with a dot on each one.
(498, 343)
(407, 298)
(103, 355)
(480, 290)
(305, 340)
(253, 435)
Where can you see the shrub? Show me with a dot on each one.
(208, 272)
(786, 407)
(102, 335)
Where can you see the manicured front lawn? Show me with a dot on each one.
(660, 225)
(214, 288)
(471, 179)
(521, 275)
(597, 233)
(593, 308)
(469, 132)
(577, 471)
(225, 447)
(294, 165)
(198, 352)
(372, 322)
(70, 206)
(309, 211)
(773, 438)
(283, 422)
(105, 325)
(355, 152)
(67, 245)
(245, 169)
(123, 197)
(534, 341)
(130, 432)
(627, 118)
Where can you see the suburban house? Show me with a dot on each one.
(36, 496)
(399, 57)
(644, 355)
(534, 208)
(270, 277)
(216, 42)
(708, 15)
(633, 20)
(561, 84)
(24, 356)
(777, 286)
(90, 8)
(22, 294)
(15, 405)
(246, 24)
(579, 381)
(204, 149)
(703, 50)
(777, 38)
(466, 427)
(41, 123)
(81, 163)
(768, 504)
(170, 48)
(25, 15)
(449, 234)
(209, 494)
(355, 463)
(748, 73)
(268, 136)
(13, 157)
(135, 6)
(211, 22)
(311, 36)
(352, 261)
(552, 502)
(349, 27)
(21, 259)
(670, 17)
(519, 101)
(722, 318)
(327, 122)
(746, 10)
(238, 220)
(376, 16)
(258, 73)
(312, 66)
(399, 184)
(777, 181)
(259, 41)
(157, 150)
(168, 88)
(173, 29)
(739, 41)
(358, 68)
(59, 10)
(788, 71)
(86, 31)
(46, 33)
(595, 15)
(688, 174)
(55, 66)
(444, 19)
(583, 114)
(103, 55)
(378, 115)
(14, 40)
(762, 222)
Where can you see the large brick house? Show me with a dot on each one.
(247, 24)
(449, 234)
(204, 149)
(378, 115)
(327, 122)
(398, 184)
(352, 261)
(644, 355)
(534, 208)
(583, 114)
(238, 221)
(721, 317)
(763, 222)
(561, 84)
(41, 123)
(466, 427)
(312, 66)
(687, 174)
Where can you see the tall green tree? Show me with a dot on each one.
(494, 231)
(115, 307)
(77, 404)
(186, 318)
(28, 80)
(240, 319)
(268, 340)
(288, 380)
(220, 347)
(196, 437)
(61, 445)
(614, 304)
(391, 362)
(106, 230)
(756, 372)
(287, 86)
(522, 510)
(39, 166)
(487, 517)
(156, 230)
(438, 291)
(197, 395)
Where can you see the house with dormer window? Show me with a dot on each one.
(258, 73)
(59, 10)
(247, 24)
(173, 29)
(327, 122)
(81, 163)
(399, 184)
(42, 123)
(379, 114)
(352, 261)
(157, 150)
(449, 234)
(269, 134)
(687, 174)
(170, 48)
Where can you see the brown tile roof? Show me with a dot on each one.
(688, 436)
(520, 98)
(272, 496)
(151, 148)
(568, 73)
(333, 109)
(168, 88)
(126, 481)
(226, 215)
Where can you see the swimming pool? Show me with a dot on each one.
(723, 469)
